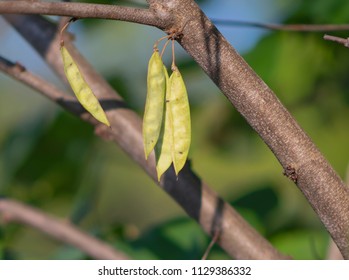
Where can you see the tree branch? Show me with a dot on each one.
(19, 72)
(13, 211)
(283, 27)
(343, 41)
(237, 238)
(69, 102)
(81, 10)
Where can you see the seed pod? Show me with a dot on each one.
(180, 120)
(81, 89)
(164, 147)
(154, 105)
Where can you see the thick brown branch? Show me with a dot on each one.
(13, 211)
(81, 10)
(195, 197)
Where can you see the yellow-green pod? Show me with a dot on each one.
(154, 105)
(81, 89)
(164, 147)
(180, 112)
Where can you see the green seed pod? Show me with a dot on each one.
(180, 112)
(81, 89)
(154, 105)
(164, 147)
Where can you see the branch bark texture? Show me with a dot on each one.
(80, 10)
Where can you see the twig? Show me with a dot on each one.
(19, 72)
(343, 41)
(283, 27)
(13, 211)
(209, 247)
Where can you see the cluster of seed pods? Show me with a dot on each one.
(166, 121)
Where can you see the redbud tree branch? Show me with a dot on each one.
(141, 16)
(80, 10)
(13, 211)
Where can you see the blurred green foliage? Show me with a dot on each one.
(53, 161)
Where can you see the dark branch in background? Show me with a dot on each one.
(343, 41)
(18, 72)
(63, 231)
(237, 238)
(283, 27)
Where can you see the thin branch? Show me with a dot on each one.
(81, 10)
(343, 41)
(209, 247)
(283, 27)
(13, 211)
(237, 238)
(18, 72)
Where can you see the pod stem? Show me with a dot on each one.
(173, 66)
(155, 47)
(65, 26)
(164, 47)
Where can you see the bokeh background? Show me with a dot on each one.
(51, 160)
